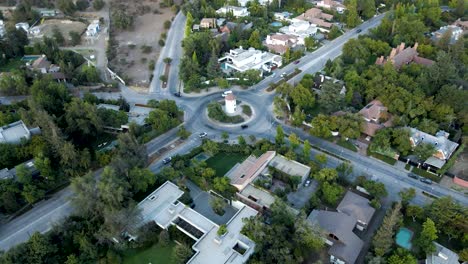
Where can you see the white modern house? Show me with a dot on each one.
(301, 29)
(162, 207)
(235, 10)
(15, 132)
(93, 29)
(230, 103)
(332, 5)
(242, 60)
(282, 16)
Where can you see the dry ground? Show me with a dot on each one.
(131, 62)
(64, 25)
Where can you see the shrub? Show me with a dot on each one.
(216, 112)
(161, 42)
(98, 4)
(146, 49)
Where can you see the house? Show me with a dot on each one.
(443, 146)
(256, 198)
(15, 132)
(332, 5)
(230, 26)
(279, 43)
(196, 27)
(462, 24)
(282, 16)
(358, 207)
(455, 33)
(47, 12)
(442, 255)
(162, 207)
(376, 117)
(320, 79)
(242, 60)
(22, 25)
(317, 17)
(220, 21)
(290, 167)
(301, 29)
(235, 10)
(400, 56)
(44, 66)
(245, 2)
(93, 29)
(345, 245)
(6, 174)
(246, 172)
(208, 23)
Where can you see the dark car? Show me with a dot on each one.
(297, 62)
(414, 176)
(359, 30)
(167, 160)
(244, 126)
(425, 180)
(177, 94)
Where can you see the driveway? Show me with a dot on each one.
(202, 200)
(299, 198)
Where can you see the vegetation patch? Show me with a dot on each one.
(382, 158)
(347, 145)
(247, 110)
(155, 254)
(426, 174)
(223, 162)
(216, 112)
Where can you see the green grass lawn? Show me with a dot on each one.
(382, 157)
(347, 145)
(12, 65)
(156, 254)
(223, 162)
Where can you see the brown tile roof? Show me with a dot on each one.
(400, 56)
(280, 49)
(374, 110)
(41, 62)
(248, 170)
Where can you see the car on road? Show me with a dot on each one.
(307, 183)
(297, 62)
(244, 126)
(203, 135)
(167, 160)
(425, 180)
(359, 30)
(225, 93)
(177, 94)
(283, 75)
(414, 176)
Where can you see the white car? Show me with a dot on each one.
(203, 134)
(226, 93)
(307, 183)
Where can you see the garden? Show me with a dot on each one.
(222, 162)
(157, 253)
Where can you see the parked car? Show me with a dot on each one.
(244, 126)
(359, 30)
(425, 180)
(203, 134)
(283, 75)
(177, 94)
(414, 176)
(226, 93)
(297, 62)
(307, 183)
(167, 160)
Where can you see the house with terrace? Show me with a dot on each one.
(241, 60)
(443, 146)
(300, 29)
(235, 10)
(401, 56)
(317, 17)
(279, 43)
(208, 23)
(44, 66)
(376, 117)
(332, 5)
(163, 207)
(353, 211)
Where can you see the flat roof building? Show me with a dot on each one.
(242, 60)
(290, 167)
(162, 207)
(246, 172)
(14, 132)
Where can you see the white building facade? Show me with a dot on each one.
(242, 60)
(230, 103)
(236, 11)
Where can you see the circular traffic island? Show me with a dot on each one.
(229, 111)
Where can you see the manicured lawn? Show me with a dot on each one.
(223, 162)
(382, 158)
(155, 254)
(12, 65)
(347, 145)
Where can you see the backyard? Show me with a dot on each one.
(156, 254)
(223, 162)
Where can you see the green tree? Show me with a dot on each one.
(188, 24)
(407, 195)
(225, 135)
(331, 193)
(183, 133)
(344, 169)
(303, 97)
(218, 205)
(294, 140)
(306, 150)
(352, 17)
(279, 138)
(254, 40)
(383, 239)
(140, 179)
(98, 4)
(449, 216)
(181, 253)
(367, 8)
(331, 97)
(49, 95)
(427, 236)
(40, 248)
(241, 140)
(121, 20)
(321, 159)
(66, 6)
(326, 175)
(402, 257)
(75, 38)
(82, 120)
(424, 150)
(414, 212)
(310, 43)
(210, 147)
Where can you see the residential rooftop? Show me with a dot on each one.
(442, 255)
(14, 132)
(258, 196)
(356, 206)
(290, 167)
(440, 141)
(244, 173)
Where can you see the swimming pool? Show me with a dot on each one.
(403, 238)
(276, 24)
(30, 57)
